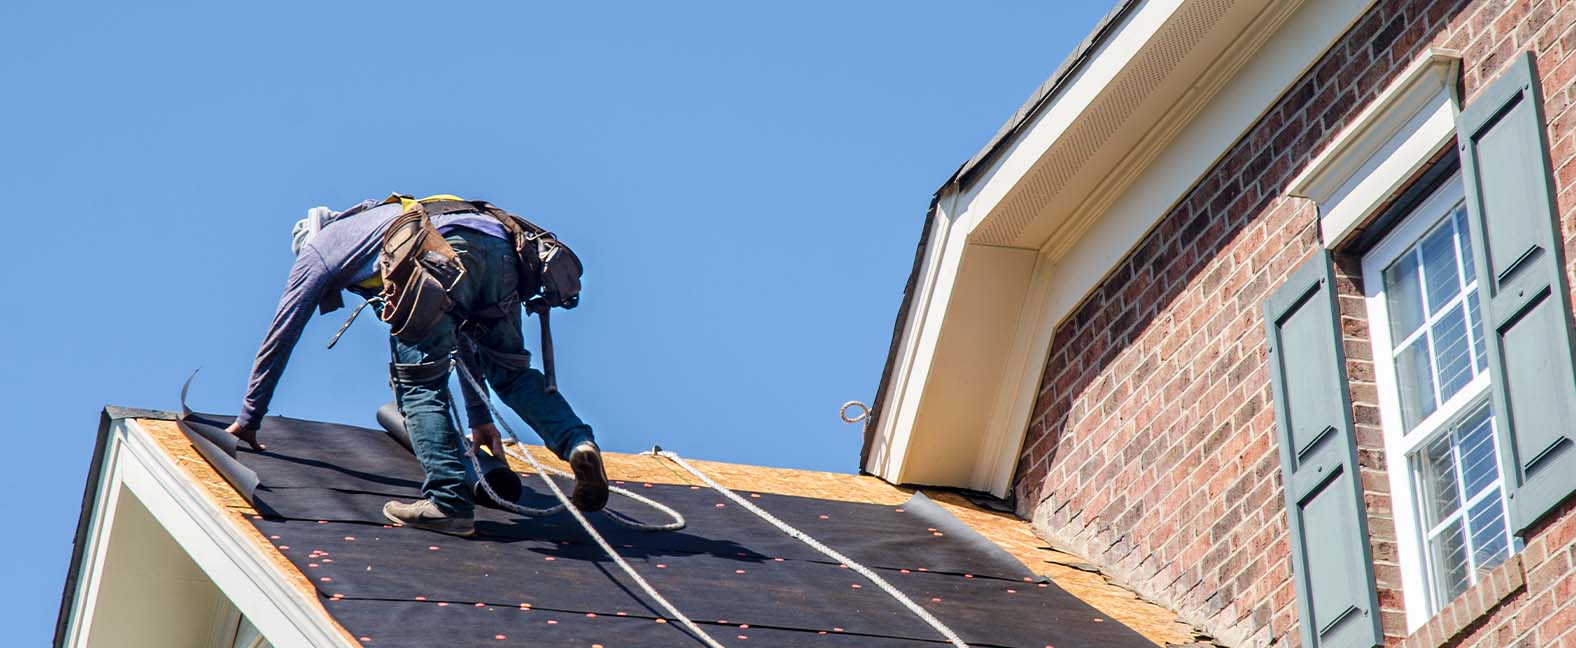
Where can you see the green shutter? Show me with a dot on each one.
(1518, 254)
(1331, 559)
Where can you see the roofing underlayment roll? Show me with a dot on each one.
(495, 470)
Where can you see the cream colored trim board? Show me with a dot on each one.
(997, 462)
(889, 446)
(1023, 152)
(227, 557)
(95, 550)
(1163, 133)
(1383, 146)
(1072, 256)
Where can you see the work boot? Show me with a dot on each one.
(423, 514)
(590, 480)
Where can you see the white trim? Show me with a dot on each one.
(889, 445)
(1384, 146)
(95, 542)
(1401, 444)
(1008, 417)
(254, 585)
(1235, 61)
(1116, 53)
(1158, 170)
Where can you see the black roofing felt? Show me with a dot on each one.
(542, 582)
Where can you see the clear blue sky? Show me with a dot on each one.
(745, 181)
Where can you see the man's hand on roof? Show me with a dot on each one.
(486, 434)
(249, 435)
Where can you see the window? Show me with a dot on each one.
(1432, 374)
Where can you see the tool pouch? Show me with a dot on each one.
(419, 269)
(548, 268)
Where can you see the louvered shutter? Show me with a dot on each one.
(1331, 560)
(1518, 254)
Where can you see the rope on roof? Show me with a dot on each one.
(563, 503)
(829, 552)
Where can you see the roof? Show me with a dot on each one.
(786, 492)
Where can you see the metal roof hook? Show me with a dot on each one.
(864, 412)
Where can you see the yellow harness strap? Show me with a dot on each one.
(375, 282)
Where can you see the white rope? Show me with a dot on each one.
(816, 545)
(563, 504)
(678, 521)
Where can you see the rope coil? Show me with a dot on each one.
(564, 505)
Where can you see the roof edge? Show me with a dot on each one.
(903, 309)
(84, 519)
(217, 544)
(117, 412)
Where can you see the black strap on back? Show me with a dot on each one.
(419, 373)
(441, 207)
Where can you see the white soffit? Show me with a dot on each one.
(1384, 146)
(134, 464)
(1132, 99)
(1078, 198)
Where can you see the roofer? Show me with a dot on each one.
(449, 277)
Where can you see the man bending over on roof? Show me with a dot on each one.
(339, 251)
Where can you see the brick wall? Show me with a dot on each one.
(1152, 446)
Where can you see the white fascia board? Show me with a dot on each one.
(1293, 50)
(1287, 56)
(1059, 284)
(1384, 146)
(937, 272)
(959, 210)
(95, 542)
(1094, 77)
(253, 584)
(1019, 387)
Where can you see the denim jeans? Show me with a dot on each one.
(490, 276)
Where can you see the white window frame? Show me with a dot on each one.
(1400, 444)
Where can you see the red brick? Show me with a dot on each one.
(1154, 423)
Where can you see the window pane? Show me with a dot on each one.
(1449, 550)
(1404, 296)
(1463, 239)
(1475, 318)
(1439, 266)
(1452, 359)
(1489, 547)
(1416, 374)
(1440, 495)
(1479, 466)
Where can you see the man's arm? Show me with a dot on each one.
(483, 432)
(309, 280)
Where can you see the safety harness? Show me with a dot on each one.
(417, 269)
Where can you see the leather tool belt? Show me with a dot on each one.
(418, 269)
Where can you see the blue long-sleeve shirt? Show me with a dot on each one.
(343, 254)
